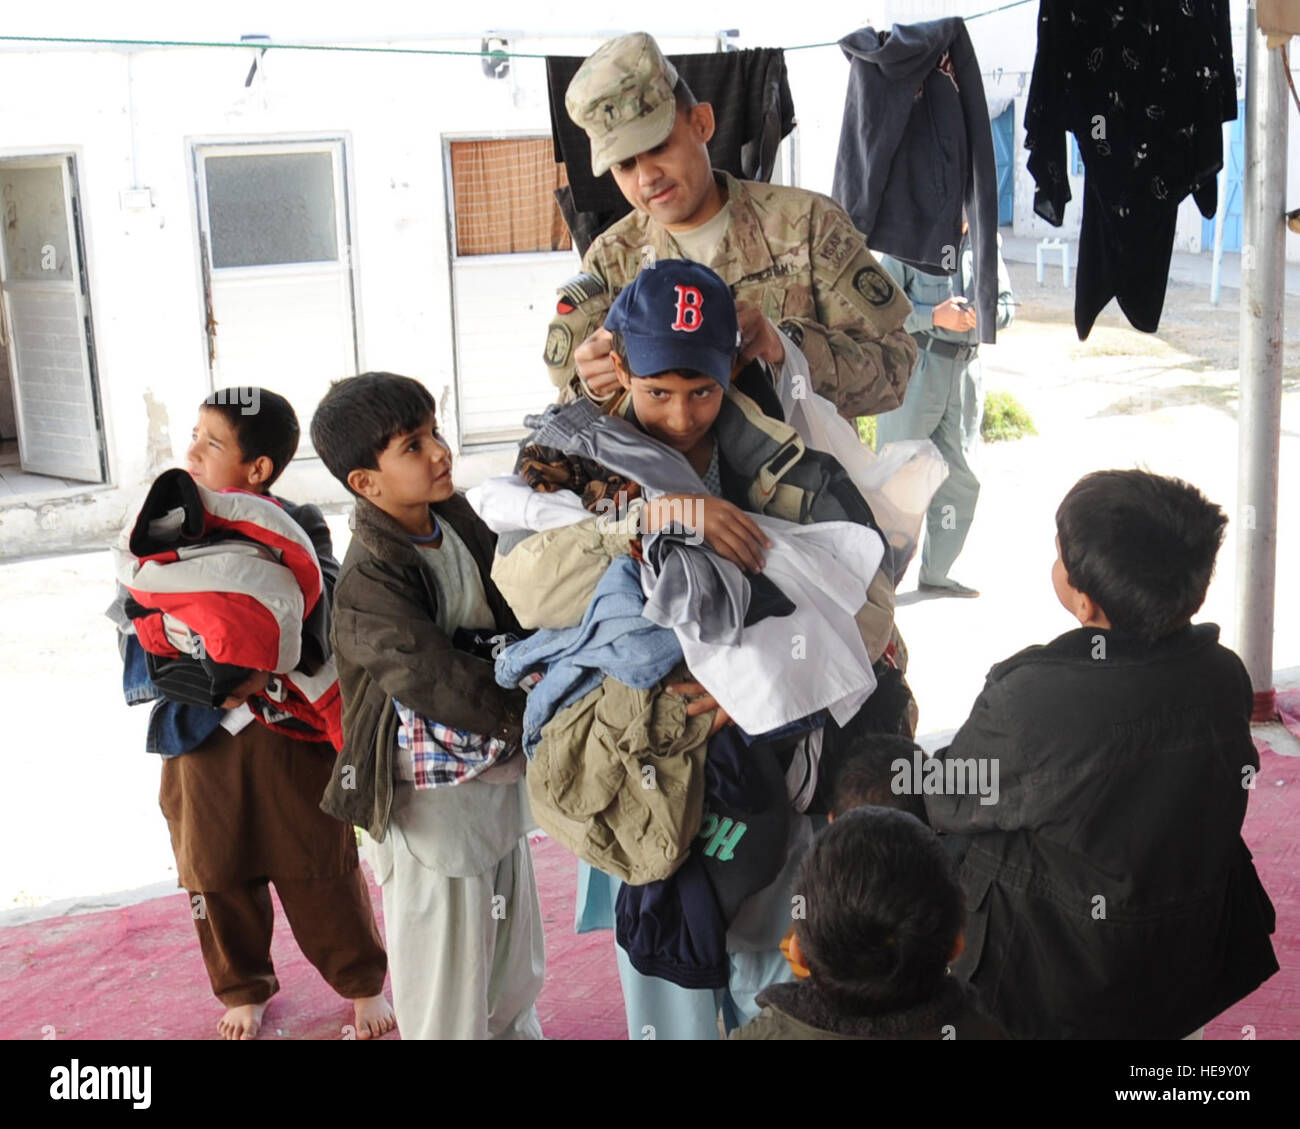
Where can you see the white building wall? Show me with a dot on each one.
(131, 119)
(64, 119)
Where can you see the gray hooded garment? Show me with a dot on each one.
(692, 583)
(915, 146)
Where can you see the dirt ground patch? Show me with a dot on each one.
(1190, 359)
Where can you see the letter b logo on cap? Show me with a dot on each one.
(689, 301)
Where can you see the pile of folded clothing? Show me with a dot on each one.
(222, 585)
(619, 772)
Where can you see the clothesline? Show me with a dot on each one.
(260, 45)
(264, 45)
(972, 16)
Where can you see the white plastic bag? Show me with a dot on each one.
(898, 482)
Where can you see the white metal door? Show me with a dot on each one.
(503, 306)
(275, 238)
(45, 320)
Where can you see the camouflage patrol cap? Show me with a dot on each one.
(622, 96)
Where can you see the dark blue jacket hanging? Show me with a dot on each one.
(915, 147)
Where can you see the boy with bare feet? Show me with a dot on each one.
(242, 799)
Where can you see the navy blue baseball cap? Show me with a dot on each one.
(677, 315)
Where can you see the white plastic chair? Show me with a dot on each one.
(1051, 247)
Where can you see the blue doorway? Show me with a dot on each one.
(1232, 195)
(1004, 154)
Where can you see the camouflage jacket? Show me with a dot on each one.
(796, 256)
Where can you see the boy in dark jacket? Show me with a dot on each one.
(1110, 892)
(882, 917)
(449, 847)
(861, 769)
(675, 349)
(242, 800)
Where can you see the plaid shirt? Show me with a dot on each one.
(443, 756)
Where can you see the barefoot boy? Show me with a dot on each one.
(242, 804)
(460, 904)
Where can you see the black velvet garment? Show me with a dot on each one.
(1144, 86)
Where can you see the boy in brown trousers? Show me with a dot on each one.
(242, 800)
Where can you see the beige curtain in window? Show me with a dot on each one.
(504, 196)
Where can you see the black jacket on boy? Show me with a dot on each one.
(1109, 890)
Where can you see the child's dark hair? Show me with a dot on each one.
(1141, 546)
(883, 911)
(264, 423)
(866, 774)
(360, 415)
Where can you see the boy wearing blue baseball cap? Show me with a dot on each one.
(675, 343)
(676, 349)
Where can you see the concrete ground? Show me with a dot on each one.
(84, 828)
(1166, 401)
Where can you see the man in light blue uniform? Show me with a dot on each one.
(944, 402)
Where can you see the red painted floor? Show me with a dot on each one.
(1273, 1012)
(135, 973)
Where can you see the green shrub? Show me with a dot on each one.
(867, 430)
(1005, 417)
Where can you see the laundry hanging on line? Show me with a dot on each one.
(1144, 92)
(916, 148)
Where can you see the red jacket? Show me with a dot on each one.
(232, 582)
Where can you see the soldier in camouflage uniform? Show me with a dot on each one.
(808, 295)
(801, 273)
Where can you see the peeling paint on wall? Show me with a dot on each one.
(75, 523)
(158, 451)
(448, 424)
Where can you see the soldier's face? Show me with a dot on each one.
(673, 182)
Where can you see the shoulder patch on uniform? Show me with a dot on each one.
(580, 288)
(872, 284)
(558, 343)
(837, 247)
